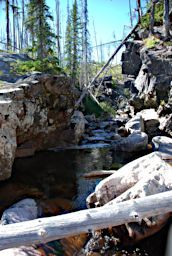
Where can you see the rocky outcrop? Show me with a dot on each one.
(35, 115)
(152, 70)
(7, 61)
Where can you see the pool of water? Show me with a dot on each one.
(55, 180)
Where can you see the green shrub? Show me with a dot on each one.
(127, 93)
(91, 107)
(48, 65)
(158, 19)
(108, 108)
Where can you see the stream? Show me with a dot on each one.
(55, 180)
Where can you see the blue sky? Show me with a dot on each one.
(109, 18)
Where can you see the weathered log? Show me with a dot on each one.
(53, 228)
(98, 174)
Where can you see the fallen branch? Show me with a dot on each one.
(98, 174)
(48, 229)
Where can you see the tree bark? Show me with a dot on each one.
(152, 16)
(53, 228)
(86, 42)
(166, 19)
(131, 19)
(7, 24)
(23, 19)
(58, 30)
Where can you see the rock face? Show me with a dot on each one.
(35, 115)
(152, 70)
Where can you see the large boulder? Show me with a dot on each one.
(145, 176)
(151, 121)
(22, 211)
(126, 177)
(136, 141)
(135, 124)
(163, 145)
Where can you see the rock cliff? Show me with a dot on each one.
(35, 114)
(150, 70)
(148, 66)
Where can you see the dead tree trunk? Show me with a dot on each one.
(105, 66)
(23, 19)
(166, 19)
(58, 30)
(48, 229)
(131, 18)
(152, 16)
(86, 41)
(7, 24)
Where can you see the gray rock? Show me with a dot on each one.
(79, 122)
(128, 176)
(135, 142)
(22, 211)
(151, 121)
(135, 124)
(163, 145)
(154, 72)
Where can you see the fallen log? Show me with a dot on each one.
(48, 229)
(98, 174)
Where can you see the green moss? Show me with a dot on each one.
(162, 103)
(115, 166)
(169, 43)
(127, 93)
(150, 42)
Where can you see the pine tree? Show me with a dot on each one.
(76, 40)
(68, 43)
(40, 29)
(72, 42)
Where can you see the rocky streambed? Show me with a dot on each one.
(37, 114)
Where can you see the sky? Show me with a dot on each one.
(109, 18)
